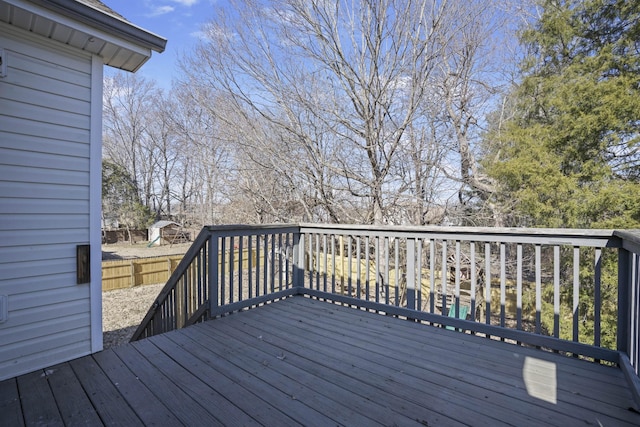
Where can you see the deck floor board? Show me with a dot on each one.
(216, 372)
(108, 402)
(575, 392)
(208, 398)
(470, 365)
(366, 383)
(75, 407)
(346, 404)
(302, 361)
(141, 399)
(10, 407)
(295, 396)
(406, 381)
(378, 324)
(38, 403)
(170, 394)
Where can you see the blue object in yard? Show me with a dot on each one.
(461, 315)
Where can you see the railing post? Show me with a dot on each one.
(411, 274)
(213, 272)
(624, 282)
(298, 259)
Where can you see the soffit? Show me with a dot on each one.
(88, 25)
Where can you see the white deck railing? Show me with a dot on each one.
(573, 291)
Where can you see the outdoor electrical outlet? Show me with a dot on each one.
(4, 309)
(3, 63)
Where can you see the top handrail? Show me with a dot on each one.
(554, 236)
(464, 229)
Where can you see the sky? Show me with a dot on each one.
(178, 21)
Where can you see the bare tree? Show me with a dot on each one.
(423, 188)
(203, 166)
(341, 83)
(128, 104)
(162, 141)
(476, 72)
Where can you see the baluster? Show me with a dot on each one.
(411, 274)
(318, 259)
(258, 255)
(241, 295)
(473, 278)
(597, 296)
(487, 275)
(272, 274)
(214, 270)
(519, 286)
(556, 291)
(265, 264)
(457, 281)
(396, 248)
(377, 271)
(333, 263)
(538, 262)
(223, 269)
(250, 266)
(326, 265)
(503, 284)
(432, 275)
(576, 292)
(386, 270)
(280, 266)
(634, 321)
(367, 266)
(349, 267)
(287, 260)
(419, 243)
(232, 250)
(358, 268)
(310, 265)
(445, 278)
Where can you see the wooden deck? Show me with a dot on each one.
(301, 361)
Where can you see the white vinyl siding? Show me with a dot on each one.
(45, 201)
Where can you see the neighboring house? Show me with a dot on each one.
(52, 56)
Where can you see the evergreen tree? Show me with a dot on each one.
(120, 199)
(569, 157)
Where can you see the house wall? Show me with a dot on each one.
(49, 198)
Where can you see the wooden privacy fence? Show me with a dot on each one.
(129, 273)
(135, 272)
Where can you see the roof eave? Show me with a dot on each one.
(105, 22)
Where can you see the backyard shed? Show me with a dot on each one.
(52, 54)
(167, 232)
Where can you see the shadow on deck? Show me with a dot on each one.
(301, 361)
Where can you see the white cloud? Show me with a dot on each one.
(212, 33)
(185, 2)
(161, 10)
(199, 35)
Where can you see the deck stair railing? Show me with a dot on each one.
(184, 298)
(549, 288)
(249, 265)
